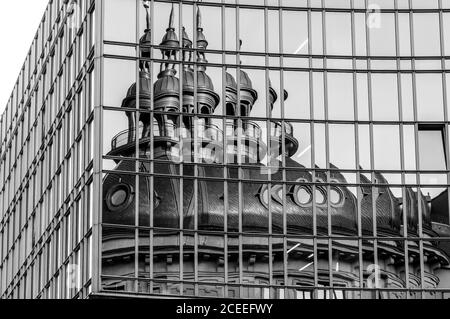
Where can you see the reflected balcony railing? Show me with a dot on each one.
(248, 129)
(129, 136)
(277, 128)
(208, 132)
(204, 132)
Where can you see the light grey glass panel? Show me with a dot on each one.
(297, 106)
(364, 147)
(404, 31)
(342, 146)
(295, 32)
(362, 100)
(386, 147)
(407, 97)
(384, 97)
(360, 34)
(120, 20)
(251, 25)
(382, 36)
(316, 40)
(338, 31)
(431, 149)
(340, 96)
(118, 77)
(426, 34)
(429, 97)
(409, 148)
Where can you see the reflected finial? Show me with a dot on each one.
(147, 9)
(199, 19)
(172, 17)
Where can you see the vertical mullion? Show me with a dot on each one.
(225, 146)
(179, 124)
(327, 150)
(269, 155)
(357, 150)
(372, 150)
(283, 149)
(152, 145)
(239, 152)
(136, 141)
(416, 133)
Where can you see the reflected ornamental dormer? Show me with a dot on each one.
(381, 200)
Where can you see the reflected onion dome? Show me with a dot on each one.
(273, 96)
(388, 213)
(248, 94)
(167, 90)
(144, 92)
(205, 87)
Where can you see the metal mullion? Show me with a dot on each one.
(269, 164)
(195, 120)
(239, 152)
(327, 151)
(180, 150)
(313, 147)
(446, 101)
(136, 163)
(416, 133)
(372, 151)
(224, 156)
(283, 150)
(97, 187)
(357, 159)
(402, 151)
(152, 168)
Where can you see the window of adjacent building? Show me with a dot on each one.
(431, 148)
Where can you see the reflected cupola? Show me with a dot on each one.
(207, 98)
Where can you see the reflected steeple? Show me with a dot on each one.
(202, 43)
(170, 42)
(146, 40)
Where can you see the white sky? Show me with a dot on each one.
(19, 21)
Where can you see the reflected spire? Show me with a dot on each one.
(202, 43)
(170, 42)
(187, 44)
(145, 41)
(171, 18)
(147, 9)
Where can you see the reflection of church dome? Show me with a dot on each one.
(204, 82)
(248, 94)
(144, 92)
(167, 84)
(230, 82)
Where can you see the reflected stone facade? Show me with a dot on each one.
(216, 238)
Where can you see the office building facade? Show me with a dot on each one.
(230, 148)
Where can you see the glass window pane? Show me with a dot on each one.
(431, 149)
(338, 29)
(384, 97)
(426, 34)
(382, 37)
(430, 105)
